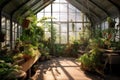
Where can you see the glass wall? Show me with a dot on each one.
(5, 27)
(104, 26)
(68, 20)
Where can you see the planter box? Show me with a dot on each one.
(28, 64)
(21, 74)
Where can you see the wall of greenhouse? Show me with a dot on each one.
(67, 20)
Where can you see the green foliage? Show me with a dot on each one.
(29, 50)
(91, 60)
(6, 69)
(85, 33)
(7, 58)
(59, 49)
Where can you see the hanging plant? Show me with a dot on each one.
(2, 36)
(25, 23)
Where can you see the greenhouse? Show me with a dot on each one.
(59, 39)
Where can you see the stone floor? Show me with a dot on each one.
(67, 69)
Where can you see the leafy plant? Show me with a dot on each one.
(29, 50)
(6, 69)
(92, 60)
(59, 50)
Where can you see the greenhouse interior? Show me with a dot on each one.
(59, 39)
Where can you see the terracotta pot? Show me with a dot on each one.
(26, 57)
(25, 23)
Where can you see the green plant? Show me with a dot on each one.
(59, 50)
(92, 60)
(6, 69)
(29, 50)
(34, 33)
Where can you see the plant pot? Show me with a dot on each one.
(26, 57)
(25, 23)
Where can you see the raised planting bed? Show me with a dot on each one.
(28, 64)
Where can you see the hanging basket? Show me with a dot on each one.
(2, 37)
(25, 23)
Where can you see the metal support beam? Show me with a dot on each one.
(20, 6)
(84, 9)
(11, 32)
(116, 5)
(99, 7)
(42, 6)
(90, 10)
(29, 7)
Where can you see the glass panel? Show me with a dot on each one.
(102, 26)
(71, 36)
(63, 16)
(63, 1)
(7, 34)
(57, 38)
(117, 21)
(56, 26)
(63, 38)
(3, 22)
(70, 26)
(8, 24)
(63, 8)
(48, 8)
(40, 15)
(63, 27)
(72, 16)
(56, 16)
(78, 17)
(47, 14)
(15, 27)
(78, 26)
(13, 37)
(60, 12)
(56, 8)
(71, 8)
(106, 25)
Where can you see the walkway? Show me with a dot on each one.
(63, 69)
(66, 69)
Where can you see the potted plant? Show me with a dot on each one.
(28, 51)
(25, 23)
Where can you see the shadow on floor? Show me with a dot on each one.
(67, 69)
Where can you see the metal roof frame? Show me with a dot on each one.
(27, 9)
(42, 7)
(99, 7)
